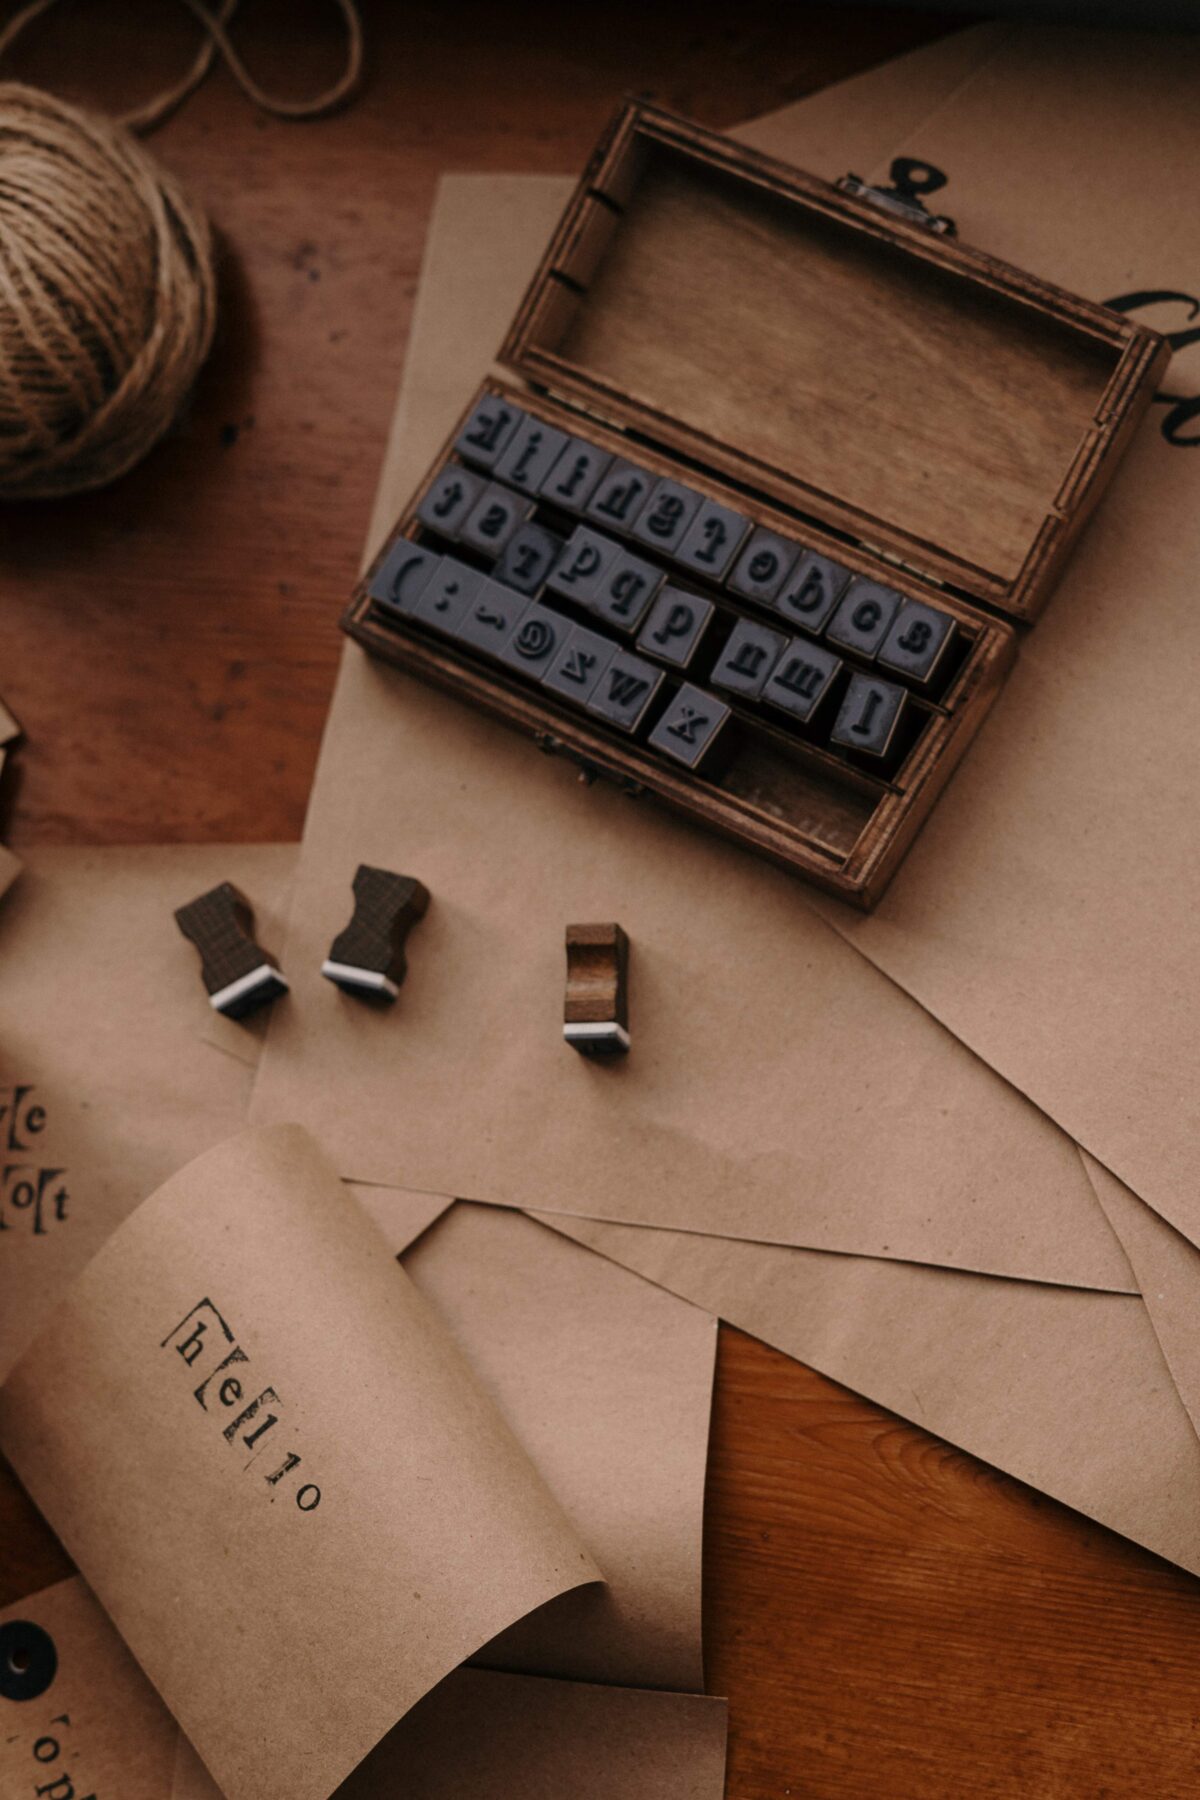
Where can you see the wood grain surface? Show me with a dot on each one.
(889, 1617)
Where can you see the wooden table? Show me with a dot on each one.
(889, 1617)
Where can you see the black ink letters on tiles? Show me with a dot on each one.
(204, 1342)
(33, 1195)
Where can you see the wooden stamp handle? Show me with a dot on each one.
(239, 975)
(368, 957)
(596, 1011)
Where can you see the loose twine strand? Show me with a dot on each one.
(107, 290)
(217, 41)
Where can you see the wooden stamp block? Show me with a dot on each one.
(449, 500)
(367, 958)
(918, 643)
(691, 727)
(596, 1008)
(802, 679)
(530, 456)
(581, 661)
(666, 515)
(750, 654)
(489, 431)
(528, 557)
(490, 618)
(620, 496)
(625, 691)
(493, 519)
(575, 476)
(626, 590)
(811, 591)
(583, 565)
(536, 640)
(403, 575)
(712, 540)
(446, 596)
(862, 620)
(763, 566)
(238, 974)
(675, 627)
(870, 716)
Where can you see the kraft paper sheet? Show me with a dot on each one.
(105, 1083)
(778, 1088)
(1047, 913)
(483, 1733)
(100, 1730)
(607, 1386)
(275, 1470)
(1066, 1390)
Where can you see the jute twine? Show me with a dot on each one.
(107, 292)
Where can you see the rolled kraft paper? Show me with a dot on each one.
(275, 1470)
(107, 297)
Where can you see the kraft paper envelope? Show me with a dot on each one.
(607, 1386)
(778, 1088)
(487, 1734)
(275, 1470)
(78, 1719)
(1047, 913)
(106, 1086)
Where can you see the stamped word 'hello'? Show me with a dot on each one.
(203, 1332)
(33, 1196)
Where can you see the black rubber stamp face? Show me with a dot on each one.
(812, 590)
(582, 566)
(750, 654)
(918, 641)
(712, 540)
(530, 457)
(675, 626)
(574, 478)
(801, 679)
(870, 716)
(763, 566)
(402, 577)
(620, 496)
(666, 515)
(690, 725)
(488, 431)
(576, 669)
(28, 1660)
(625, 592)
(536, 640)
(449, 500)
(445, 598)
(863, 619)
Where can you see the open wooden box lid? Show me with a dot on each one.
(899, 389)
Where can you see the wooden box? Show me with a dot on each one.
(868, 395)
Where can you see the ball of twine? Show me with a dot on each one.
(107, 297)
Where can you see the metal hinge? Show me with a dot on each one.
(910, 180)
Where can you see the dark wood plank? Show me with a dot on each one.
(889, 1617)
